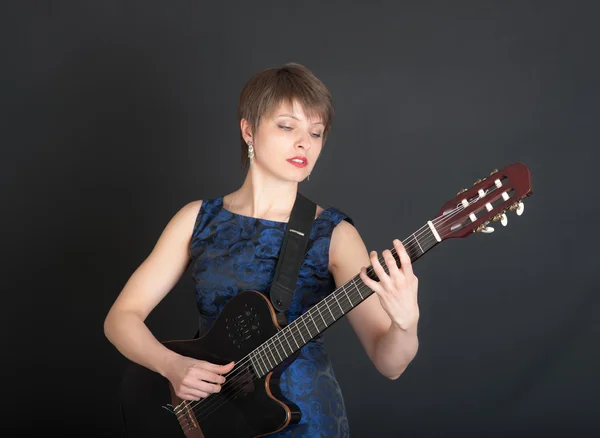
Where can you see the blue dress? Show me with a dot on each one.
(232, 253)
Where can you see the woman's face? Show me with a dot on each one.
(287, 144)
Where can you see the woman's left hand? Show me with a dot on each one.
(397, 291)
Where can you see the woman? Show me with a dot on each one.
(285, 115)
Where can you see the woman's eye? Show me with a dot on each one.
(289, 128)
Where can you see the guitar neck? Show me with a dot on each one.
(332, 308)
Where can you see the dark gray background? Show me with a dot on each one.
(117, 113)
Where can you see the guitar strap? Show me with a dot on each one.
(291, 256)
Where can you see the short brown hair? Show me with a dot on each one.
(267, 89)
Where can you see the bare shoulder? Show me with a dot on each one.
(192, 208)
(346, 242)
(155, 277)
(343, 231)
(173, 242)
(187, 214)
(180, 228)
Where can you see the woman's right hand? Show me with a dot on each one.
(196, 379)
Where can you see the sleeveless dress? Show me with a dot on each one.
(232, 253)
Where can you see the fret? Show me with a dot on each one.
(291, 327)
(300, 331)
(281, 336)
(309, 314)
(281, 344)
(413, 250)
(335, 296)
(263, 357)
(307, 329)
(318, 310)
(274, 360)
(428, 240)
(290, 345)
(255, 365)
(354, 283)
(277, 350)
(347, 297)
(329, 308)
(416, 240)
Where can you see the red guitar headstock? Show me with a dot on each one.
(488, 200)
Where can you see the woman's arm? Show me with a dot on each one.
(124, 324)
(125, 327)
(386, 322)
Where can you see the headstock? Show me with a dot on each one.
(487, 201)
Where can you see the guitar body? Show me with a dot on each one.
(248, 407)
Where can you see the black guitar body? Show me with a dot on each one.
(247, 406)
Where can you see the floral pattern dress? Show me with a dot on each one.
(232, 253)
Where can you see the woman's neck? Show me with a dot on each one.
(263, 197)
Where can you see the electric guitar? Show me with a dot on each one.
(250, 403)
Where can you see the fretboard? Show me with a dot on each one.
(330, 309)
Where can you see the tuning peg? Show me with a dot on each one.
(462, 191)
(502, 218)
(520, 208)
(493, 171)
(478, 181)
(483, 228)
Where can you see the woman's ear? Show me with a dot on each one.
(246, 130)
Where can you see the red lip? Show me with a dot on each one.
(303, 164)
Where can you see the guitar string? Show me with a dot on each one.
(443, 218)
(203, 411)
(352, 295)
(302, 331)
(408, 245)
(260, 351)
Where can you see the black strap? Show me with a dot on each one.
(291, 256)
(293, 250)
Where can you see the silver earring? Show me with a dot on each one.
(308, 177)
(250, 151)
